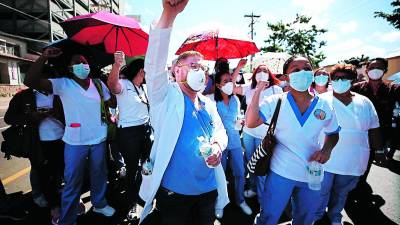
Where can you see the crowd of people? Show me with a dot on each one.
(174, 133)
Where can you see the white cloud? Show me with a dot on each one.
(347, 26)
(389, 37)
(350, 48)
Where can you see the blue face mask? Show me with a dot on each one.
(321, 80)
(301, 81)
(81, 70)
(341, 86)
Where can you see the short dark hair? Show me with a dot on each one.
(290, 60)
(130, 71)
(345, 68)
(382, 60)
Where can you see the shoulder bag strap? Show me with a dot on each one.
(99, 88)
(272, 125)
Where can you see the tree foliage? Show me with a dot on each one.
(356, 61)
(296, 37)
(394, 17)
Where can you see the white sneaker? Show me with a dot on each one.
(249, 193)
(40, 201)
(107, 211)
(245, 208)
(219, 213)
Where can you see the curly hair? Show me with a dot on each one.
(344, 68)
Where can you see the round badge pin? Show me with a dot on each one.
(320, 114)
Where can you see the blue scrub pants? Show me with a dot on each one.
(76, 157)
(334, 191)
(277, 192)
(256, 182)
(236, 159)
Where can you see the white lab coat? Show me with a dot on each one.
(166, 115)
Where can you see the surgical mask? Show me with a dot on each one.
(196, 79)
(283, 84)
(81, 70)
(375, 74)
(262, 76)
(301, 81)
(321, 80)
(227, 88)
(341, 86)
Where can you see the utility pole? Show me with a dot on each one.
(251, 25)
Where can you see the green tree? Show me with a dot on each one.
(357, 61)
(394, 17)
(296, 37)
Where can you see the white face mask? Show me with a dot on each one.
(81, 70)
(375, 74)
(283, 84)
(196, 79)
(262, 76)
(321, 80)
(341, 86)
(227, 88)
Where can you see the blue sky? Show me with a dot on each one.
(352, 29)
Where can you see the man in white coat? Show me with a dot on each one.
(183, 180)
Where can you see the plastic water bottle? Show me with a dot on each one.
(315, 174)
(396, 114)
(206, 149)
(239, 119)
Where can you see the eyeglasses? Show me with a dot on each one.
(195, 66)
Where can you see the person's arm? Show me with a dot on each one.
(113, 78)
(253, 118)
(219, 140)
(157, 53)
(236, 88)
(324, 154)
(33, 78)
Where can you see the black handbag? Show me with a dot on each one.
(17, 141)
(261, 158)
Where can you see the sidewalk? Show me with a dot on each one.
(4, 101)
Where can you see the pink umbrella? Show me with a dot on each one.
(212, 46)
(117, 33)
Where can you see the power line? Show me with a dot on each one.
(252, 16)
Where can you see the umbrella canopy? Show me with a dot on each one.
(95, 54)
(116, 33)
(212, 46)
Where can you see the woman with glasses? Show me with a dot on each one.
(359, 135)
(302, 118)
(133, 132)
(321, 82)
(252, 136)
(228, 107)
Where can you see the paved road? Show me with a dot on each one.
(379, 204)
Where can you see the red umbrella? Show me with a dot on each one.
(212, 46)
(117, 33)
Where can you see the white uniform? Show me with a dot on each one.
(350, 155)
(297, 134)
(260, 131)
(132, 110)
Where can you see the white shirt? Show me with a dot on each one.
(82, 111)
(350, 155)
(132, 110)
(50, 129)
(297, 135)
(260, 131)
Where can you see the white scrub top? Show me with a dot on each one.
(132, 110)
(350, 155)
(50, 129)
(82, 111)
(297, 135)
(260, 131)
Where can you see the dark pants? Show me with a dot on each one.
(51, 171)
(177, 209)
(132, 143)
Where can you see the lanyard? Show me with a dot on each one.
(141, 98)
(203, 125)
